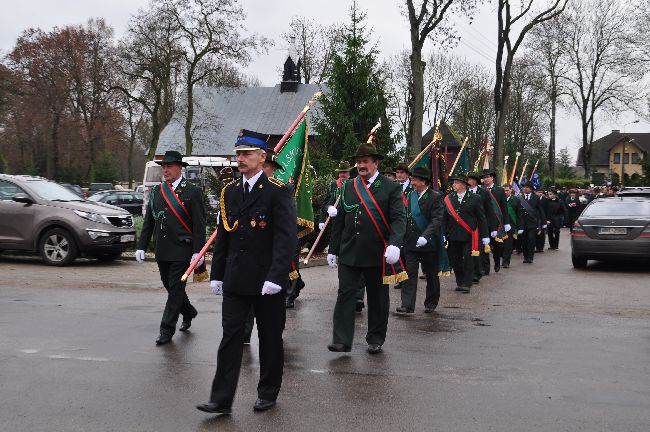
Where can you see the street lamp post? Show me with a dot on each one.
(625, 141)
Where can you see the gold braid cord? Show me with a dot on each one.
(224, 217)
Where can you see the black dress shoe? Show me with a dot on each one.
(359, 306)
(506, 266)
(430, 308)
(185, 326)
(263, 405)
(338, 347)
(459, 288)
(374, 349)
(465, 289)
(289, 304)
(214, 408)
(497, 268)
(475, 280)
(404, 311)
(163, 339)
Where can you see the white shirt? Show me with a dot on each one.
(177, 182)
(474, 189)
(406, 184)
(461, 196)
(527, 197)
(251, 181)
(421, 193)
(372, 179)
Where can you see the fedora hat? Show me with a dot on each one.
(172, 156)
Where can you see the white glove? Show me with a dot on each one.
(139, 256)
(392, 254)
(270, 288)
(421, 242)
(444, 239)
(194, 257)
(520, 232)
(543, 226)
(217, 287)
(507, 227)
(493, 234)
(331, 260)
(332, 212)
(486, 241)
(321, 226)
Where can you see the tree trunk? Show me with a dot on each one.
(586, 153)
(502, 115)
(551, 144)
(190, 112)
(417, 109)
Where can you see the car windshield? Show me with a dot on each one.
(51, 191)
(153, 174)
(100, 186)
(618, 208)
(96, 197)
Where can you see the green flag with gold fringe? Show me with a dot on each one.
(294, 157)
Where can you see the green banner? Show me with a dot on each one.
(294, 157)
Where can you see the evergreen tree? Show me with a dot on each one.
(565, 164)
(356, 100)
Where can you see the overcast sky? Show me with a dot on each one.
(271, 17)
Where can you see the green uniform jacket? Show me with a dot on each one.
(332, 193)
(500, 196)
(354, 237)
(432, 209)
(471, 210)
(173, 241)
(528, 221)
(513, 203)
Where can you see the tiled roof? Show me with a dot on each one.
(600, 148)
(449, 137)
(220, 113)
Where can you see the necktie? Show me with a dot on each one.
(246, 190)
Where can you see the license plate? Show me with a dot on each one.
(613, 231)
(127, 238)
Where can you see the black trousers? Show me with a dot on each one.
(553, 236)
(269, 313)
(508, 246)
(429, 261)
(528, 241)
(296, 285)
(177, 301)
(460, 257)
(344, 310)
(540, 241)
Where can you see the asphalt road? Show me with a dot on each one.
(533, 348)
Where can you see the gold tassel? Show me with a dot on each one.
(200, 277)
(444, 274)
(293, 275)
(476, 253)
(488, 249)
(395, 279)
(498, 240)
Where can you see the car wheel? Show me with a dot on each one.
(57, 247)
(109, 257)
(578, 262)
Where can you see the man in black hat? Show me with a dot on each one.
(509, 243)
(424, 218)
(540, 240)
(252, 256)
(402, 174)
(176, 217)
(496, 198)
(530, 217)
(474, 181)
(467, 231)
(389, 174)
(366, 240)
(343, 174)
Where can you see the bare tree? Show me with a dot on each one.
(150, 58)
(210, 35)
(316, 45)
(601, 65)
(545, 52)
(507, 48)
(426, 19)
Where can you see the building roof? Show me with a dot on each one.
(449, 137)
(600, 148)
(219, 114)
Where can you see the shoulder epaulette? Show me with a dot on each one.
(276, 181)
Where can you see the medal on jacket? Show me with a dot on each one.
(253, 223)
(262, 222)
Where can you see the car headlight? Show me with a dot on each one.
(95, 234)
(94, 217)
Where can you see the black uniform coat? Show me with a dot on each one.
(173, 241)
(431, 207)
(500, 195)
(528, 221)
(261, 247)
(354, 237)
(488, 211)
(471, 210)
(556, 212)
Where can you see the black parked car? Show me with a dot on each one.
(93, 188)
(612, 229)
(130, 201)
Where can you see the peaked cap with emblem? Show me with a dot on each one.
(249, 140)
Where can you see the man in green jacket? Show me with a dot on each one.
(424, 218)
(513, 209)
(343, 173)
(176, 217)
(366, 240)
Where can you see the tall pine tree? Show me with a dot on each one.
(355, 101)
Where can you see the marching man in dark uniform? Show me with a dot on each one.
(509, 243)
(402, 173)
(424, 219)
(496, 198)
(343, 172)
(540, 240)
(557, 214)
(366, 240)
(252, 256)
(176, 216)
(465, 223)
(530, 219)
(574, 207)
(481, 268)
